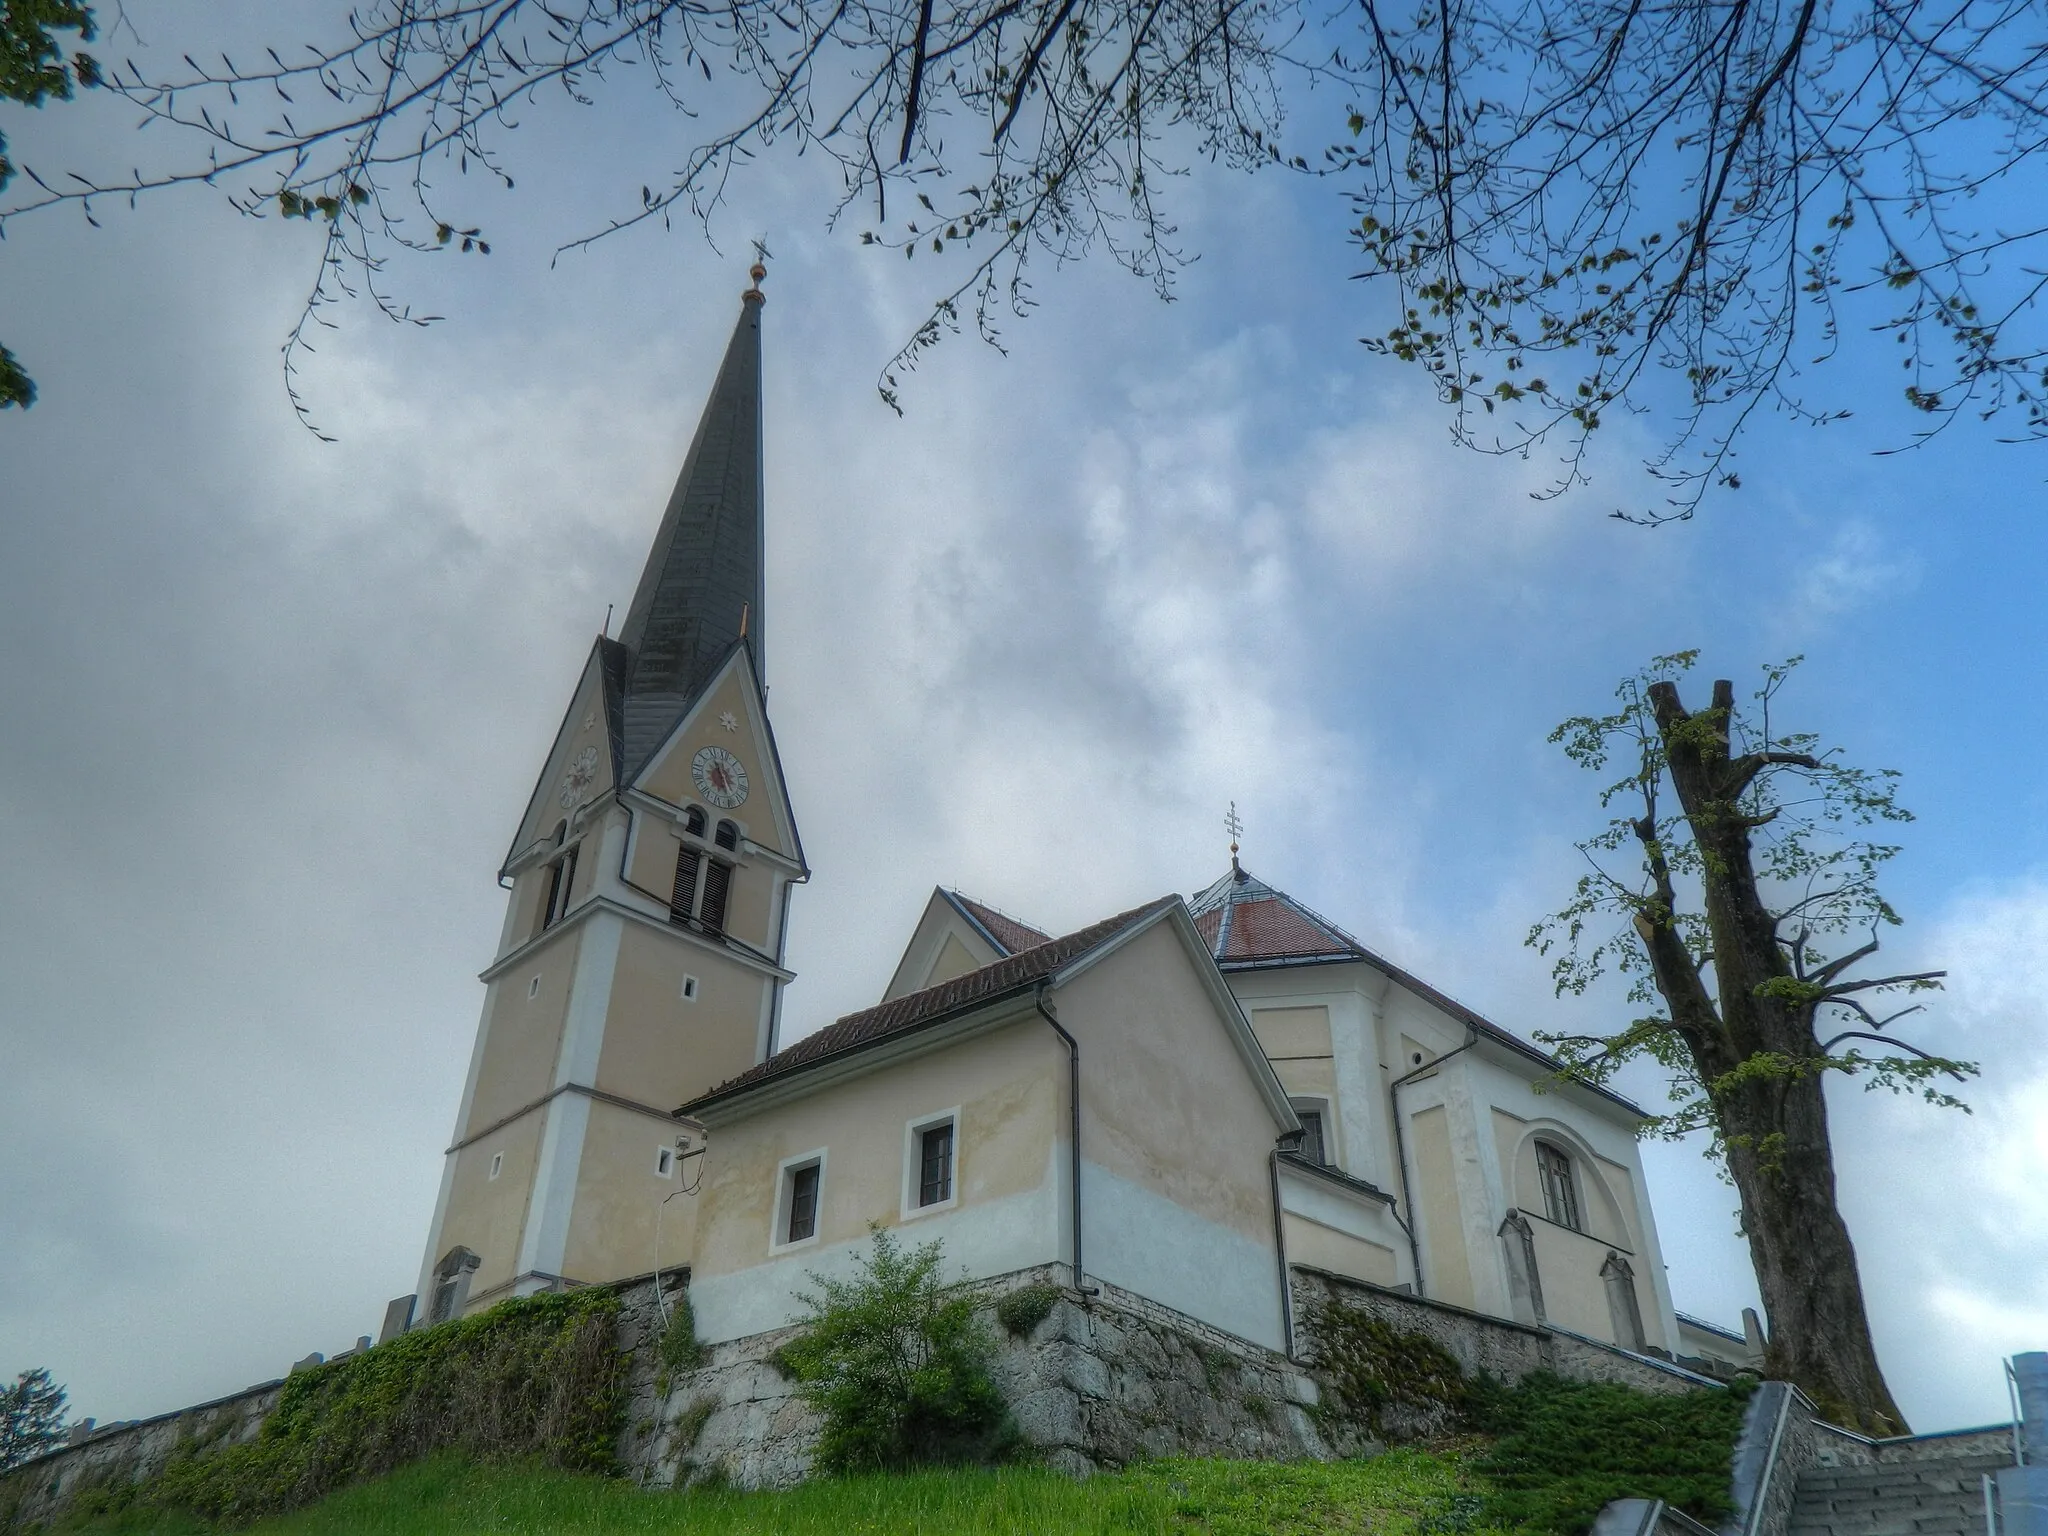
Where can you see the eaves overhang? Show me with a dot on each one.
(725, 1106)
(1294, 1162)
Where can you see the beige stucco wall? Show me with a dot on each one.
(487, 1215)
(1447, 1270)
(1010, 1089)
(660, 1050)
(1167, 1101)
(953, 960)
(1321, 1247)
(523, 1034)
(612, 1228)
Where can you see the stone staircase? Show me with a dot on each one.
(1926, 1498)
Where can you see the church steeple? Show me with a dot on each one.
(702, 589)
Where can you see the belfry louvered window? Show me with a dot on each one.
(684, 897)
(693, 821)
(561, 880)
(728, 835)
(717, 886)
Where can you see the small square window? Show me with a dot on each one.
(497, 1164)
(533, 988)
(664, 1162)
(689, 989)
(803, 1204)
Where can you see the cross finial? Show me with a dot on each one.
(756, 272)
(1234, 825)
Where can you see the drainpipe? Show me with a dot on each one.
(1288, 1141)
(1401, 1150)
(1073, 1129)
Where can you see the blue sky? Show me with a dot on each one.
(273, 705)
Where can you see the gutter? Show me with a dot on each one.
(1401, 1150)
(1074, 1134)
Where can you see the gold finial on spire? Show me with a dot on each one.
(756, 272)
(1235, 827)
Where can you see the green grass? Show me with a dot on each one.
(1404, 1493)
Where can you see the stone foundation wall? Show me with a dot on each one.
(1489, 1345)
(1100, 1381)
(121, 1454)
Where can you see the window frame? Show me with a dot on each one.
(497, 1166)
(1560, 1179)
(779, 1240)
(664, 1161)
(913, 1164)
(1326, 1120)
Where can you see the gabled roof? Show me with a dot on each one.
(702, 588)
(1011, 976)
(1006, 933)
(1248, 925)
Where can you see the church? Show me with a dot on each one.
(1184, 1102)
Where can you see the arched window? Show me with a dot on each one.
(561, 877)
(728, 835)
(1560, 1192)
(683, 897)
(693, 821)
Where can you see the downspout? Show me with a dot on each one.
(1289, 1141)
(1401, 1150)
(1073, 1128)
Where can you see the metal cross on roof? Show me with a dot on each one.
(1234, 826)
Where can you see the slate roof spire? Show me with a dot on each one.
(702, 590)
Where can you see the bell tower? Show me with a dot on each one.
(641, 958)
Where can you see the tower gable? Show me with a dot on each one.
(583, 762)
(727, 717)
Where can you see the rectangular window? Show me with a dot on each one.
(497, 1164)
(717, 882)
(689, 989)
(803, 1204)
(682, 900)
(935, 1164)
(664, 1162)
(1312, 1145)
(1560, 1197)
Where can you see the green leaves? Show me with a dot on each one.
(897, 1362)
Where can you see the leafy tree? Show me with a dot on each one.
(1580, 206)
(31, 1417)
(1744, 912)
(897, 1362)
(33, 69)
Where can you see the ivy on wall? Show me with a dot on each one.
(536, 1377)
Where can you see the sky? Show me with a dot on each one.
(270, 707)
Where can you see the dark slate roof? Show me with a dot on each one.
(704, 573)
(1003, 931)
(1248, 925)
(1007, 977)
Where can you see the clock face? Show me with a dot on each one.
(719, 777)
(582, 771)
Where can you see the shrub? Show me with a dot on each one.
(1565, 1448)
(1024, 1309)
(540, 1376)
(897, 1362)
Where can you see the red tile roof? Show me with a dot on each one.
(1011, 936)
(1247, 924)
(858, 1031)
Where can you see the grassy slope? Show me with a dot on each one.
(1405, 1493)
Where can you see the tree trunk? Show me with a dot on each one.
(1805, 1263)
(1775, 1127)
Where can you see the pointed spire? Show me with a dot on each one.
(703, 586)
